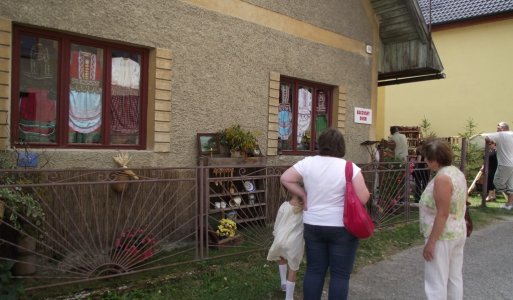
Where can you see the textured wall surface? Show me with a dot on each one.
(220, 66)
(346, 17)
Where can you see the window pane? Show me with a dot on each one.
(38, 90)
(304, 117)
(85, 94)
(125, 106)
(321, 118)
(285, 109)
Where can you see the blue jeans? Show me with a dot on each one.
(332, 247)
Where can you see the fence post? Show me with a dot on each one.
(407, 188)
(463, 161)
(202, 237)
(484, 188)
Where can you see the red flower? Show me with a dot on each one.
(135, 242)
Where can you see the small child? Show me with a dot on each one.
(288, 244)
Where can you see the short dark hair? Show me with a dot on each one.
(437, 150)
(331, 143)
(394, 129)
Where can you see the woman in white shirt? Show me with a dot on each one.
(327, 242)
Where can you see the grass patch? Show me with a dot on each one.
(251, 276)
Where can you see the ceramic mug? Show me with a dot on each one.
(217, 204)
(251, 199)
(223, 204)
(235, 201)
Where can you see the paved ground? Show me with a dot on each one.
(487, 270)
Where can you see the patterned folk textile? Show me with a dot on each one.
(125, 102)
(85, 100)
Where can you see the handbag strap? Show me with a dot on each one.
(349, 171)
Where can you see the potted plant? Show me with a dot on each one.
(25, 215)
(238, 140)
(227, 228)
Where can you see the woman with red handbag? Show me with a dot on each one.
(327, 243)
(442, 222)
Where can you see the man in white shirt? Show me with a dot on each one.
(503, 179)
(400, 143)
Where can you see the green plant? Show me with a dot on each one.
(237, 139)
(226, 228)
(474, 154)
(9, 288)
(17, 201)
(425, 128)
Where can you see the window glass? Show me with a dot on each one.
(304, 117)
(285, 121)
(85, 94)
(303, 113)
(38, 95)
(125, 98)
(77, 92)
(321, 117)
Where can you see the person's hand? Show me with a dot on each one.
(429, 251)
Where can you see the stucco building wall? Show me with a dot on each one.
(478, 86)
(220, 64)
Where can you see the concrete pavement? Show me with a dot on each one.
(487, 270)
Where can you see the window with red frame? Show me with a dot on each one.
(303, 113)
(74, 92)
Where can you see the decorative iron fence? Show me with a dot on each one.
(67, 226)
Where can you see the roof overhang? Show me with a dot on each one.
(407, 53)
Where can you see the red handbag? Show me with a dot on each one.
(356, 219)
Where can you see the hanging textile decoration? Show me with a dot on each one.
(39, 62)
(284, 114)
(304, 116)
(321, 102)
(125, 95)
(85, 107)
(321, 121)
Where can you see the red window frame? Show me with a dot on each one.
(63, 87)
(296, 84)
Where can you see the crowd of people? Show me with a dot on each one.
(313, 216)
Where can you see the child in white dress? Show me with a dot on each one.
(288, 244)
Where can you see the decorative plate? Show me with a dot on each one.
(249, 186)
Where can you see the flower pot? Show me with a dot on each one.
(26, 264)
(26, 245)
(120, 186)
(235, 153)
(2, 210)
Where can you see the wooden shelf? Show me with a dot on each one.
(216, 210)
(236, 171)
(228, 161)
(218, 195)
(216, 241)
(247, 220)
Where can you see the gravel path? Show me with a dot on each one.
(487, 270)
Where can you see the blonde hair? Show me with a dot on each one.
(301, 204)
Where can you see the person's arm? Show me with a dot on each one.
(391, 144)
(360, 188)
(442, 192)
(290, 179)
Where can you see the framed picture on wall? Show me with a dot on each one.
(208, 143)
